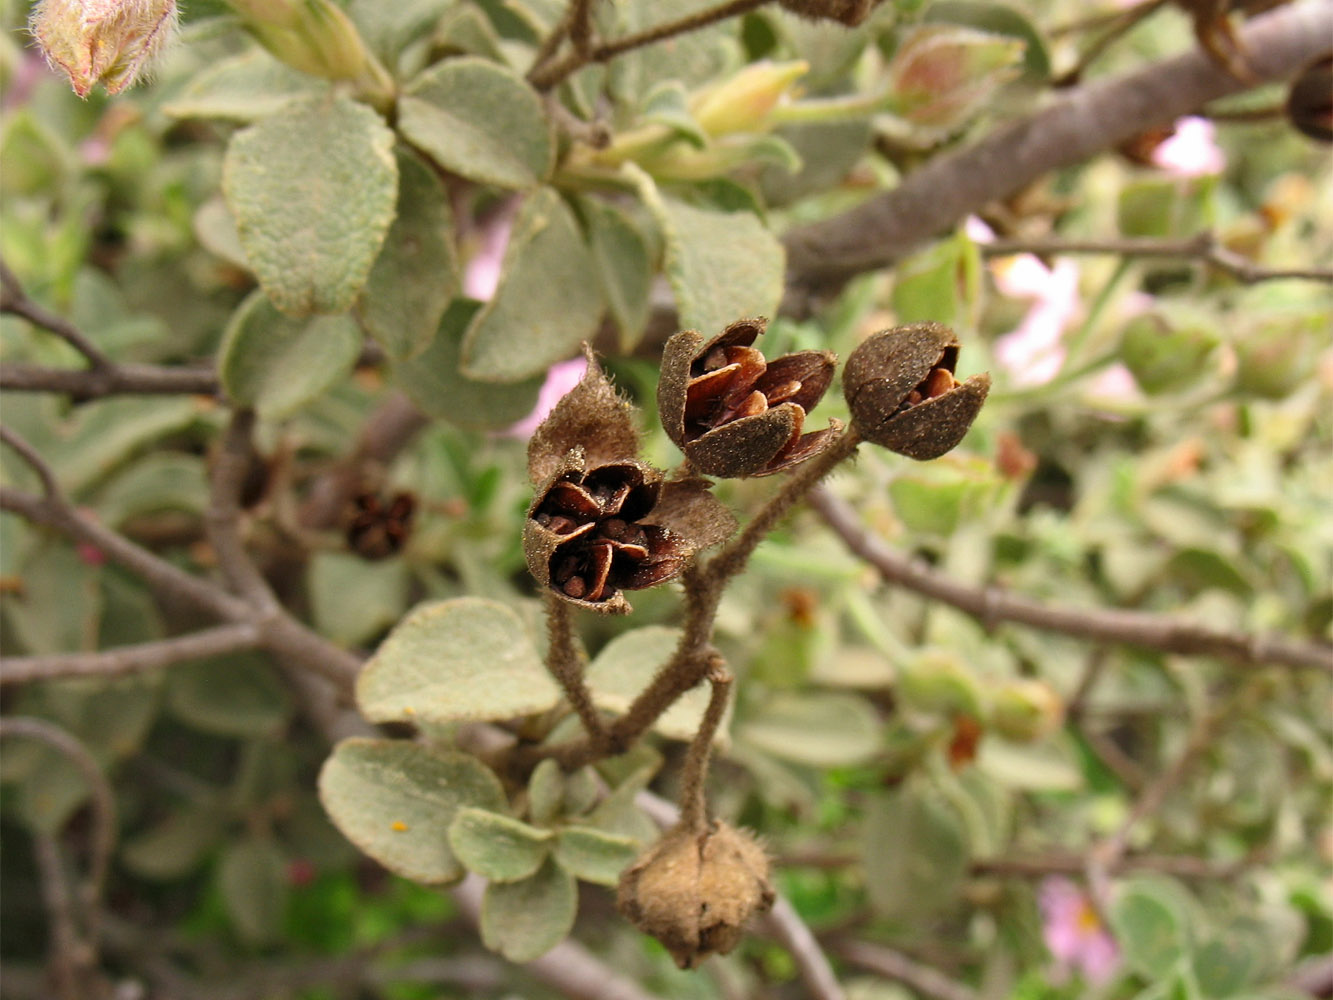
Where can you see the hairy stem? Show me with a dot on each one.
(693, 800)
(566, 666)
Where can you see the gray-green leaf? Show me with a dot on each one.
(252, 880)
(480, 120)
(395, 801)
(277, 364)
(463, 659)
(549, 298)
(497, 847)
(593, 855)
(312, 188)
(524, 920)
(823, 729)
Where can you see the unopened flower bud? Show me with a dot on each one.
(848, 12)
(313, 36)
(901, 389)
(943, 74)
(694, 891)
(1310, 101)
(111, 41)
(1025, 710)
(937, 683)
(743, 102)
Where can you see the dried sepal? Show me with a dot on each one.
(687, 508)
(591, 416)
(694, 891)
(732, 412)
(901, 389)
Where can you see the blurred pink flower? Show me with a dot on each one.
(481, 275)
(1192, 151)
(1034, 351)
(1074, 934)
(560, 378)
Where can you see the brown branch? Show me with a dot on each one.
(222, 521)
(924, 979)
(993, 605)
(74, 951)
(15, 301)
(823, 255)
(544, 77)
(134, 659)
(565, 664)
(115, 380)
(694, 774)
(1203, 247)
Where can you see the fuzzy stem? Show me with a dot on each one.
(693, 801)
(566, 666)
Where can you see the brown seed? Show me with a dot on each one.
(938, 382)
(575, 587)
(782, 393)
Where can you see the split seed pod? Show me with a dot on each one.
(735, 414)
(694, 891)
(1310, 101)
(903, 395)
(603, 522)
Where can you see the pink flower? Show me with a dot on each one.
(1074, 933)
(1034, 351)
(1192, 151)
(481, 276)
(560, 378)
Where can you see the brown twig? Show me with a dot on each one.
(115, 380)
(993, 605)
(15, 301)
(694, 774)
(821, 256)
(134, 659)
(565, 664)
(1203, 247)
(545, 76)
(924, 979)
(222, 521)
(74, 948)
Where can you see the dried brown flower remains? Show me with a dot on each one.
(732, 412)
(901, 389)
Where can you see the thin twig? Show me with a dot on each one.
(1203, 247)
(15, 301)
(580, 25)
(994, 605)
(694, 775)
(924, 979)
(1122, 22)
(135, 659)
(50, 488)
(68, 958)
(103, 836)
(565, 664)
(222, 522)
(115, 380)
(544, 77)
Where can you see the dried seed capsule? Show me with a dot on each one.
(1310, 101)
(735, 414)
(903, 395)
(694, 891)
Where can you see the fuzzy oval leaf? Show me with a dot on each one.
(593, 855)
(823, 729)
(395, 800)
(548, 301)
(436, 383)
(916, 854)
(244, 88)
(720, 265)
(352, 600)
(495, 846)
(252, 879)
(524, 920)
(236, 695)
(477, 119)
(625, 666)
(416, 274)
(464, 659)
(624, 265)
(277, 364)
(177, 845)
(312, 188)
(1150, 928)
